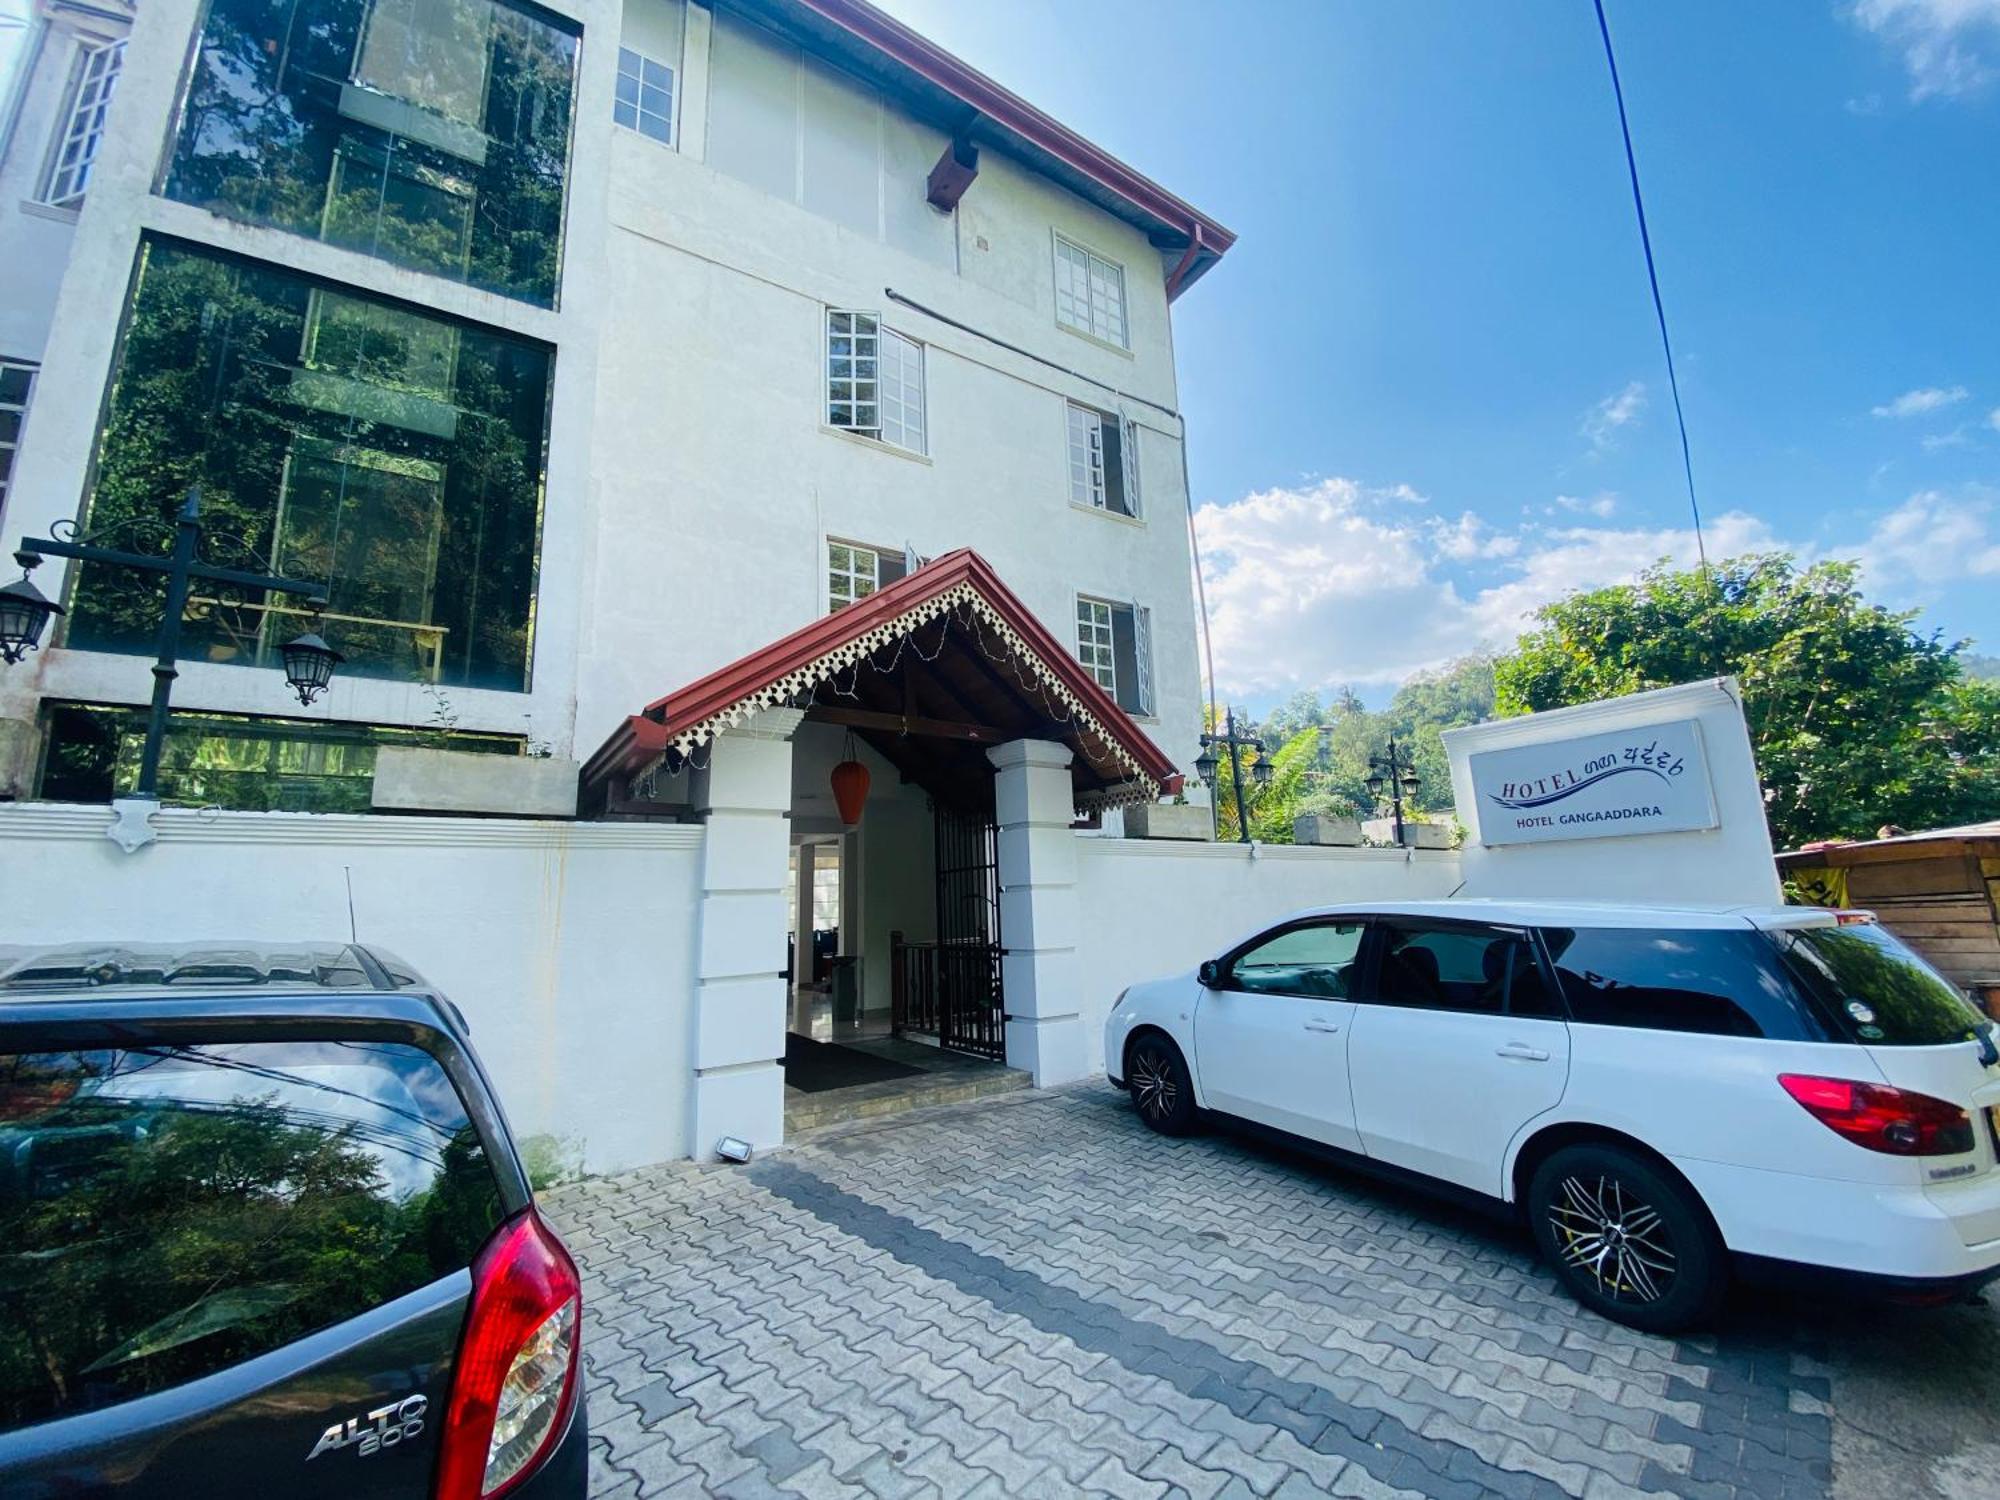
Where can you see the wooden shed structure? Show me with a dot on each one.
(1939, 891)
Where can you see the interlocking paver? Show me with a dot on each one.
(1035, 1296)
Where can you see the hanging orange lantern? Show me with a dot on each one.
(850, 787)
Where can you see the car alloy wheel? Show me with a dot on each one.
(1607, 1230)
(1155, 1089)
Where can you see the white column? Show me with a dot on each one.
(1034, 807)
(745, 798)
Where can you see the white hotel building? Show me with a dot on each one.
(582, 350)
(689, 408)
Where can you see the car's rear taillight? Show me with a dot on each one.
(1881, 1118)
(516, 1378)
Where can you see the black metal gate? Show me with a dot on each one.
(950, 989)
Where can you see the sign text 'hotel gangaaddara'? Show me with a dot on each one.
(1653, 779)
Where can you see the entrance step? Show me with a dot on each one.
(866, 1101)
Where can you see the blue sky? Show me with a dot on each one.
(1426, 390)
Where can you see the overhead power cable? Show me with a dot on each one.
(1653, 277)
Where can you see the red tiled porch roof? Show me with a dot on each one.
(1116, 760)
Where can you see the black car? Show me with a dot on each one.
(263, 1231)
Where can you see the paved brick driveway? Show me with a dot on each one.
(1037, 1296)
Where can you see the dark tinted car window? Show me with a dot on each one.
(166, 1212)
(1876, 989)
(1460, 966)
(1722, 981)
(1318, 961)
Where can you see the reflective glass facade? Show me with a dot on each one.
(231, 761)
(431, 133)
(392, 455)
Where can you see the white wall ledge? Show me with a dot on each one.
(190, 825)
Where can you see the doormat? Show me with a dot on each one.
(816, 1067)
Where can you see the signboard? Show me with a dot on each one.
(1652, 779)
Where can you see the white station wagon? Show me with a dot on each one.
(1666, 1095)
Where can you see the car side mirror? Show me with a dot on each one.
(1210, 974)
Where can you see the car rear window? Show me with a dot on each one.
(1876, 989)
(169, 1211)
(1720, 981)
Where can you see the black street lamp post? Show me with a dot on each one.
(25, 611)
(1398, 770)
(1260, 772)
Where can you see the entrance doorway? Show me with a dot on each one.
(950, 989)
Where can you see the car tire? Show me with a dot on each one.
(1156, 1075)
(1629, 1239)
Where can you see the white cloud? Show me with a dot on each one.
(1602, 504)
(1333, 583)
(1947, 45)
(1470, 538)
(1620, 409)
(1337, 583)
(1993, 419)
(1936, 441)
(1916, 403)
(1932, 538)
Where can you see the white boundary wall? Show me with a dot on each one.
(568, 946)
(1149, 908)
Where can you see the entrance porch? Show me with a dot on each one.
(943, 916)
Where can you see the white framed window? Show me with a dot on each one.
(645, 99)
(874, 380)
(91, 88)
(1114, 641)
(17, 381)
(1090, 293)
(1103, 461)
(854, 571)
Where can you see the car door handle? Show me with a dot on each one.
(1523, 1051)
(1328, 1026)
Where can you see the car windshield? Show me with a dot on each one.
(1876, 989)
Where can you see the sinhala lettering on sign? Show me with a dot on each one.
(1652, 779)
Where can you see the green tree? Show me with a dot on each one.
(1857, 719)
(1319, 752)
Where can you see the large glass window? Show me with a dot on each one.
(167, 1212)
(392, 455)
(232, 761)
(431, 133)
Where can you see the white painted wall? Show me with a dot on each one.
(1147, 908)
(568, 946)
(1729, 863)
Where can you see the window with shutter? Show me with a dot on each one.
(96, 80)
(854, 571)
(874, 380)
(1103, 472)
(1115, 642)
